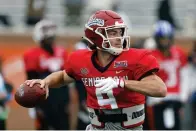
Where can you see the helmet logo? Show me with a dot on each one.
(95, 21)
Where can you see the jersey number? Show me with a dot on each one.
(109, 101)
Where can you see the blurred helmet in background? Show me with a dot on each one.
(44, 29)
(163, 34)
(96, 31)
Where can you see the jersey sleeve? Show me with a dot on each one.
(145, 66)
(30, 61)
(71, 66)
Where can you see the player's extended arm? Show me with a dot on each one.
(57, 79)
(54, 80)
(150, 85)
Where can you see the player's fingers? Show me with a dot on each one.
(47, 92)
(34, 81)
(105, 87)
(100, 83)
(27, 82)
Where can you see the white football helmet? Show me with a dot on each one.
(44, 29)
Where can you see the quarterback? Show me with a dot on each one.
(116, 78)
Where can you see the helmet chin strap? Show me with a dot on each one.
(112, 50)
(115, 51)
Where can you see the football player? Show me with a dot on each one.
(116, 78)
(39, 62)
(166, 111)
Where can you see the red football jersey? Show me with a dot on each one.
(170, 68)
(131, 65)
(37, 59)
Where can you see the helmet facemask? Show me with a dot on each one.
(124, 41)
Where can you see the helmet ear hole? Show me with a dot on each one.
(102, 31)
(106, 45)
(99, 30)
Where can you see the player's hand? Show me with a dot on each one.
(43, 84)
(108, 84)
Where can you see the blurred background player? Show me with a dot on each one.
(5, 96)
(165, 113)
(83, 115)
(41, 61)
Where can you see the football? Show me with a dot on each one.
(29, 97)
